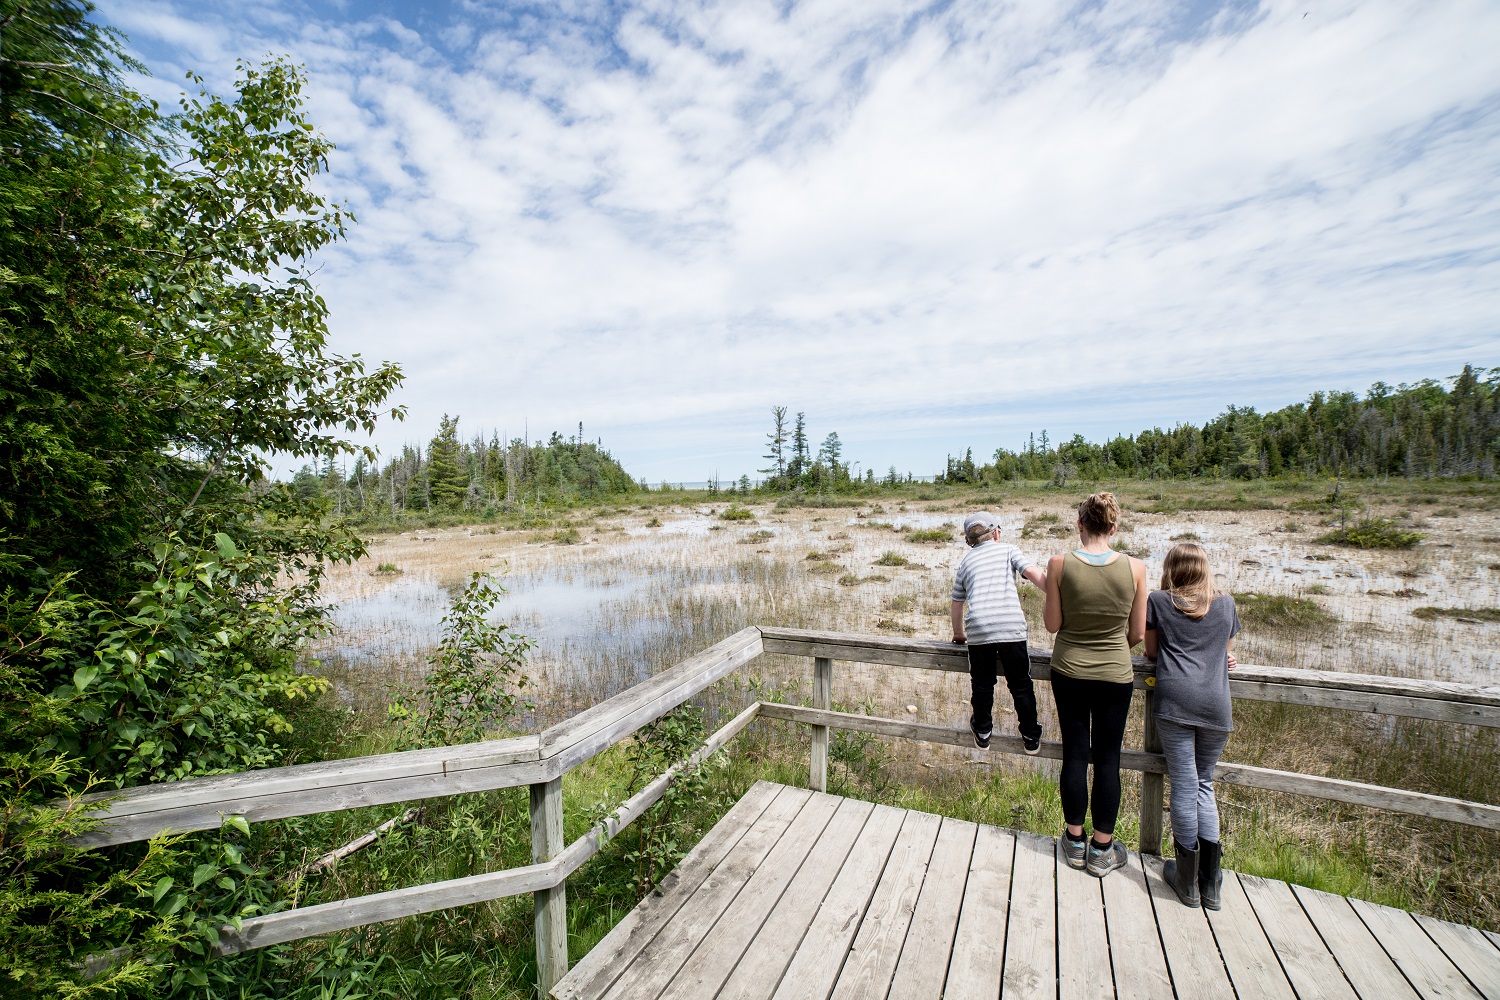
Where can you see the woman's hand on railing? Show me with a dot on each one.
(1233, 662)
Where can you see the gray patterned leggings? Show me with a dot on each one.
(1191, 754)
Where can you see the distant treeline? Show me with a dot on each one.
(1422, 430)
(481, 475)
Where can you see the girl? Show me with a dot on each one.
(1188, 630)
(1096, 605)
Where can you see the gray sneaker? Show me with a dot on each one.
(1103, 860)
(1075, 852)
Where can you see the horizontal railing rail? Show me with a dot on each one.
(539, 762)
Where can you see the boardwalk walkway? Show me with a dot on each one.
(797, 894)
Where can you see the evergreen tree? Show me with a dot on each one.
(446, 481)
(776, 440)
(801, 457)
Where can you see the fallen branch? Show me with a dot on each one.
(338, 854)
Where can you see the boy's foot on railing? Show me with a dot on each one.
(981, 736)
(1075, 852)
(1105, 858)
(1031, 744)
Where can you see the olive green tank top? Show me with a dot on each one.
(1096, 603)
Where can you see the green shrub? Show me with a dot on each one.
(566, 536)
(737, 513)
(890, 558)
(1372, 533)
(387, 568)
(930, 535)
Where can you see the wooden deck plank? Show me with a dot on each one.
(1468, 949)
(1083, 969)
(761, 967)
(659, 961)
(1193, 957)
(1140, 966)
(816, 965)
(872, 958)
(1366, 965)
(716, 955)
(1248, 956)
(978, 955)
(1308, 963)
(1414, 953)
(923, 965)
(1031, 931)
(597, 970)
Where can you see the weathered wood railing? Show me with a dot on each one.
(541, 760)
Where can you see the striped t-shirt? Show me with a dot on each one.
(987, 580)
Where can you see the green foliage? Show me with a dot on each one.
(472, 680)
(659, 842)
(159, 341)
(1279, 611)
(1373, 533)
(930, 535)
(736, 513)
(892, 558)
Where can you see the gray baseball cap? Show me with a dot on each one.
(980, 518)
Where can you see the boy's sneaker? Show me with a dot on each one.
(981, 736)
(1031, 744)
(1075, 852)
(1103, 860)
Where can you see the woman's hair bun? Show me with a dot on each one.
(1099, 513)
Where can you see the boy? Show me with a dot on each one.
(995, 627)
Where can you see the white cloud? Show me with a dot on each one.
(926, 226)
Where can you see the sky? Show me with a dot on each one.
(929, 225)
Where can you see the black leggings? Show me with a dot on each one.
(1104, 707)
(1015, 662)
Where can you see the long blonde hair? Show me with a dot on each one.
(1185, 574)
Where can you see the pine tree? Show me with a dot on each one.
(777, 441)
(445, 479)
(801, 458)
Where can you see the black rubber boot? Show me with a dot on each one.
(1181, 873)
(1210, 875)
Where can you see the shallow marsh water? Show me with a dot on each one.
(627, 599)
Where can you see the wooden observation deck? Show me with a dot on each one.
(798, 894)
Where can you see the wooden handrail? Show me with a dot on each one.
(539, 761)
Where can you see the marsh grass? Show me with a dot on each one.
(930, 535)
(892, 558)
(1469, 616)
(1372, 533)
(1281, 612)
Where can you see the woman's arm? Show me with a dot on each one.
(1136, 630)
(1052, 610)
(1036, 575)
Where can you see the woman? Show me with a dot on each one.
(1188, 631)
(1096, 606)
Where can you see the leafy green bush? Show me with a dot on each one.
(1372, 533)
(737, 513)
(930, 535)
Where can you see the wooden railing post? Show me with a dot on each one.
(822, 697)
(551, 904)
(1152, 785)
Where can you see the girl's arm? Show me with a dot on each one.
(1136, 630)
(1153, 644)
(1052, 610)
(1230, 651)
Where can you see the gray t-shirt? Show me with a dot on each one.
(1192, 661)
(986, 579)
